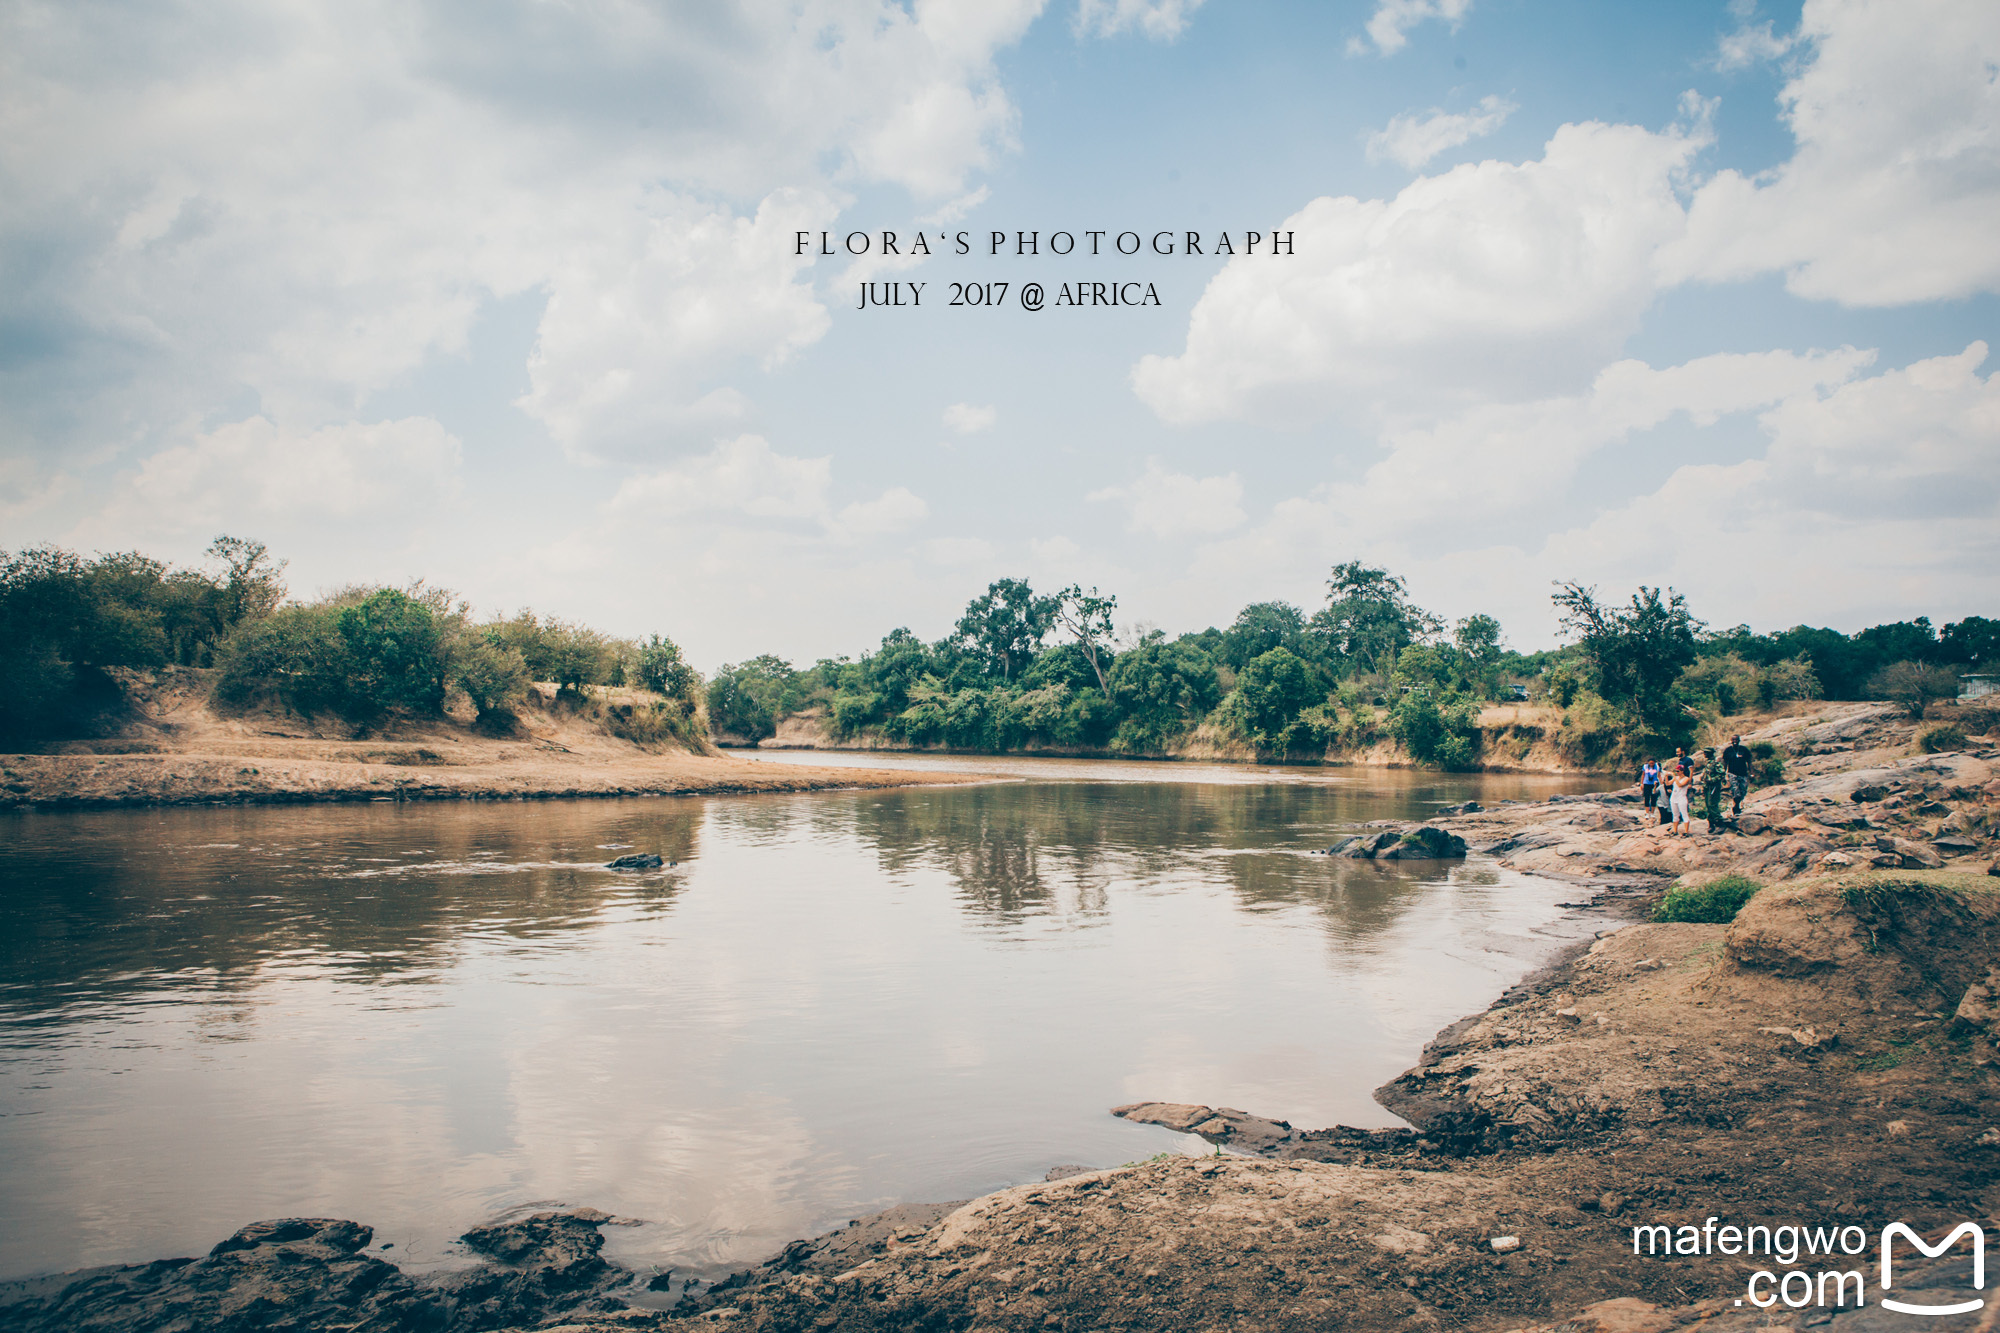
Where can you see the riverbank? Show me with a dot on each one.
(172, 748)
(1828, 1059)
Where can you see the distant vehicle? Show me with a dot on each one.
(1977, 687)
(1517, 691)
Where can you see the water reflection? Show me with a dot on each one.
(99, 906)
(420, 1015)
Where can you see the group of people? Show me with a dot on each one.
(1730, 772)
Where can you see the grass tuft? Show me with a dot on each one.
(1718, 901)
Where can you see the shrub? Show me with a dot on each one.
(1914, 685)
(1942, 736)
(1445, 734)
(1767, 766)
(1717, 901)
(297, 652)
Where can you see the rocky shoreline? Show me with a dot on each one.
(1831, 1057)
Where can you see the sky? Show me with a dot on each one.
(507, 295)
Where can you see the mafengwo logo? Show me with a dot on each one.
(1796, 1285)
(1978, 1238)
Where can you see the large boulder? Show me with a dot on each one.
(1426, 842)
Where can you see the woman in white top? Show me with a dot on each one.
(1683, 792)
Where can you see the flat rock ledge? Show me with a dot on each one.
(309, 1273)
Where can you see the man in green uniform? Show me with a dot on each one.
(1712, 780)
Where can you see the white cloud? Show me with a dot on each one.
(1878, 497)
(1173, 504)
(1511, 460)
(1873, 495)
(895, 510)
(743, 476)
(1750, 44)
(257, 472)
(1393, 19)
(1415, 140)
(1161, 20)
(1892, 193)
(959, 551)
(312, 200)
(969, 419)
(1490, 278)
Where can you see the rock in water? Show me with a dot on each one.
(1426, 842)
(293, 1273)
(635, 861)
(297, 1274)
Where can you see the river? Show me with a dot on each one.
(421, 1016)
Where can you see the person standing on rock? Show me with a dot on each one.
(1711, 791)
(1649, 783)
(1681, 792)
(1736, 761)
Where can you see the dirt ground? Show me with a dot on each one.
(174, 749)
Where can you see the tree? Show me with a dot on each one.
(1973, 643)
(1260, 627)
(1005, 626)
(1087, 616)
(1163, 689)
(252, 586)
(395, 653)
(659, 668)
(748, 700)
(1273, 690)
(1914, 685)
(1638, 650)
(1369, 617)
(1477, 639)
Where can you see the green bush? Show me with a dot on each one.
(1717, 901)
(1443, 733)
(1767, 765)
(1942, 736)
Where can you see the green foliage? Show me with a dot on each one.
(657, 666)
(1004, 627)
(1437, 730)
(1369, 618)
(297, 653)
(748, 700)
(1767, 764)
(395, 654)
(1163, 690)
(1639, 652)
(1940, 737)
(1257, 629)
(1716, 902)
(1271, 692)
(64, 618)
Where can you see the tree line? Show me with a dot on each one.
(362, 653)
(1019, 668)
(1022, 669)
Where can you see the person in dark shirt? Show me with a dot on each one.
(1736, 763)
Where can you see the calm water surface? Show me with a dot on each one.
(422, 1016)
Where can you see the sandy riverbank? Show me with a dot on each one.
(172, 748)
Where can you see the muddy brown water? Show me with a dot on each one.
(423, 1016)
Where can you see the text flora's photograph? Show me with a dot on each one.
(998, 665)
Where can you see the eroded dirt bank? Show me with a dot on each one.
(171, 748)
